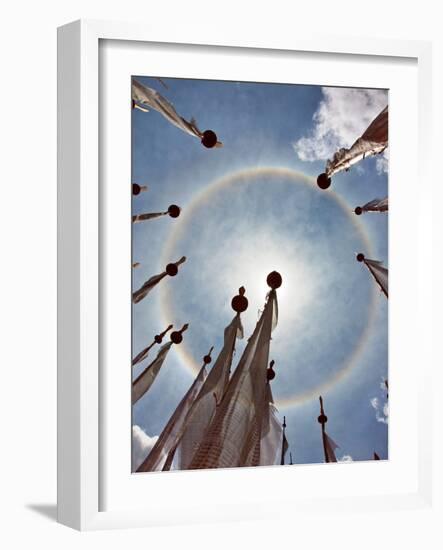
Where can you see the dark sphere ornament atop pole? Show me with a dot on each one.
(207, 358)
(172, 269)
(322, 419)
(274, 280)
(358, 210)
(137, 189)
(174, 211)
(209, 139)
(159, 337)
(360, 257)
(240, 303)
(177, 335)
(324, 181)
(270, 373)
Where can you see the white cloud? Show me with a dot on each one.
(142, 444)
(382, 163)
(342, 116)
(381, 410)
(346, 458)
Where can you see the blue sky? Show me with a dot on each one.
(263, 222)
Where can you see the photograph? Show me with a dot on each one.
(259, 274)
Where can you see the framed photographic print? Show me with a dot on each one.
(229, 215)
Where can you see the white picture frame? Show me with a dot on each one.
(81, 413)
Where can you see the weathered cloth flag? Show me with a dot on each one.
(372, 142)
(273, 438)
(377, 270)
(330, 447)
(376, 205)
(145, 98)
(145, 289)
(209, 397)
(234, 435)
(168, 438)
(145, 380)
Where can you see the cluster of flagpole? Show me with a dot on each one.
(226, 420)
(373, 141)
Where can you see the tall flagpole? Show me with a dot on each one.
(282, 461)
(322, 419)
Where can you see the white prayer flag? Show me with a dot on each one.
(143, 97)
(137, 218)
(233, 437)
(209, 397)
(272, 434)
(145, 380)
(330, 447)
(376, 205)
(379, 273)
(145, 289)
(168, 438)
(372, 142)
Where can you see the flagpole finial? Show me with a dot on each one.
(270, 373)
(177, 335)
(323, 181)
(209, 139)
(274, 280)
(207, 358)
(284, 422)
(159, 337)
(240, 303)
(322, 419)
(358, 210)
(174, 210)
(137, 189)
(172, 269)
(360, 257)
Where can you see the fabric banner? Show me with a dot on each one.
(143, 97)
(373, 141)
(233, 437)
(272, 434)
(146, 288)
(145, 380)
(379, 273)
(167, 439)
(137, 218)
(330, 447)
(210, 396)
(142, 355)
(376, 205)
